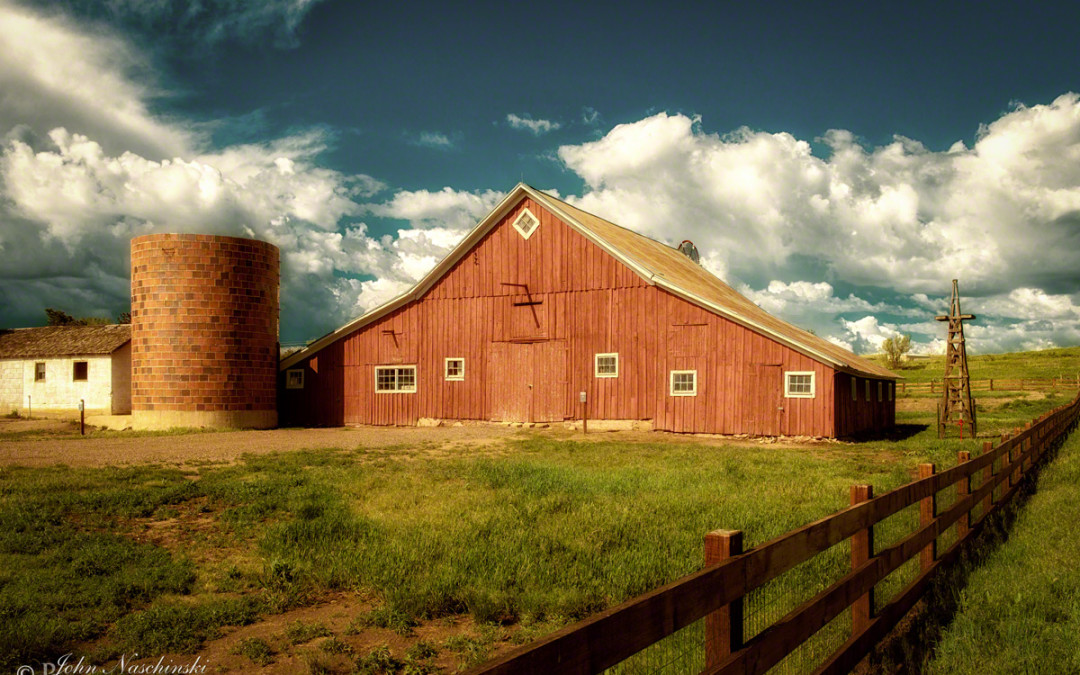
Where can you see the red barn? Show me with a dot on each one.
(542, 301)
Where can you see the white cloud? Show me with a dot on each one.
(535, 126)
(448, 208)
(56, 73)
(899, 216)
(433, 139)
(1002, 216)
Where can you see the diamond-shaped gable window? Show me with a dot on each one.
(526, 223)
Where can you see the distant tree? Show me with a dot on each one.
(895, 348)
(125, 317)
(58, 317)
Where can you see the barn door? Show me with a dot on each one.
(767, 393)
(527, 381)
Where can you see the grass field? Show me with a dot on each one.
(1020, 612)
(522, 538)
(1064, 362)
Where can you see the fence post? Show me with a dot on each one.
(927, 513)
(724, 627)
(963, 489)
(1029, 462)
(1007, 459)
(988, 475)
(991, 384)
(862, 549)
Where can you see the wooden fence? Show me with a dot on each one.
(994, 384)
(982, 485)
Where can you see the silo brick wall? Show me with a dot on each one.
(204, 315)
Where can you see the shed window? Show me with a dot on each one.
(854, 388)
(684, 383)
(294, 378)
(607, 365)
(799, 385)
(526, 223)
(455, 368)
(78, 371)
(395, 379)
(880, 395)
(892, 387)
(39, 372)
(868, 390)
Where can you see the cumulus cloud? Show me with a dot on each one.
(449, 208)
(55, 73)
(761, 206)
(534, 126)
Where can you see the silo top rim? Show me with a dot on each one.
(178, 236)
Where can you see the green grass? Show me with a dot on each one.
(1063, 362)
(540, 534)
(1020, 611)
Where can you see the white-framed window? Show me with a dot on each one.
(868, 399)
(454, 368)
(80, 371)
(39, 372)
(526, 223)
(880, 394)
(395, 379)
(799, 384)
(684, 383)
(294, 378)
(854, 388)
(606, 365)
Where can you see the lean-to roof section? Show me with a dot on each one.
(655, 262)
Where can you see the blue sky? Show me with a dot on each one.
(839, 164)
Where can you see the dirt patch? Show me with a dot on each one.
(338, 641)
(60, 442)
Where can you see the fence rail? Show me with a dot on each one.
(994, 384)
(978, 487)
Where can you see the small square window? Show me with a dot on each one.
(39, 372)
(799, 385)
(455, 368)
(684, 383)
(395, 379)
(607, 365)
(294, 378)
(526, 223)
(854, 388)
(79, 371)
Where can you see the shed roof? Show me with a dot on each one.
(55, 341)
(657, 263)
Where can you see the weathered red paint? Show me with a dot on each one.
(529, 316)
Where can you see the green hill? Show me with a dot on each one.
(1064, 362)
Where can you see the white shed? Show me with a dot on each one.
(52, 368)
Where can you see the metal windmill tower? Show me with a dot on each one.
(956, 405)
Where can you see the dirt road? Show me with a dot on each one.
(48, 442)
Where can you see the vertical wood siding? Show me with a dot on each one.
(588, 303)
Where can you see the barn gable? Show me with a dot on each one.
(542, 301)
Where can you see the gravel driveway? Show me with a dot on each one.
(48, 442)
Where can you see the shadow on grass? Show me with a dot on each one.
(900, 432)
(910, 646)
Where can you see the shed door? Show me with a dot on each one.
(527, 381)
(767, 395)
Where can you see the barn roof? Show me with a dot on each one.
(657, 263)
(56, 341)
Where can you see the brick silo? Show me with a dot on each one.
(204, 332)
